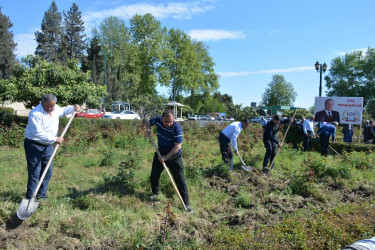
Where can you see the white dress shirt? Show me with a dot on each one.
(308, 125)
(43, 127)
(232, 131)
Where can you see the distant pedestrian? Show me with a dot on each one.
(270, 140)
(366, 132)
(372, 131)
(308, 131)
(348, 132)
(325, 132)
(263, 122)
(229, 135)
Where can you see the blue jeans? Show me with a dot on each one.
(37, 156)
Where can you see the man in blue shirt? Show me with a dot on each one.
(325, 131)
(308, 131)
(270, 140)
(229, 135)
(170, 138)
(40, 135)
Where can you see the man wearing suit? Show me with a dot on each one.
(327, 114)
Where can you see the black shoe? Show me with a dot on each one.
(265, 170)
(189, 209)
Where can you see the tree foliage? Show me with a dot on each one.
(7, 47)
(279, 92)
(35, 77)
(74, 33)
(49, 38)
(353, 75)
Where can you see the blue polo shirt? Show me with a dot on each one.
(167, 137)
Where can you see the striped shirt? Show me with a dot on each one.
(167, 137)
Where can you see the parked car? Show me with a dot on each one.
(126, 115)
(256, 119)
(229, 119)
(193, 118)
(90, 113)
(212, 118)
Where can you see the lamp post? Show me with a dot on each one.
(321, 68)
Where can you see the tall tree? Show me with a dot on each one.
(94, 61)
(74, 33)
(148, 37)
(279, 92)
(353, 75)
(114, 40)
(50, 35)
(7, 47)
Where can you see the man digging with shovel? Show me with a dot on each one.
(40, 135)
(229, 135)
(168, 154)
(270, 140)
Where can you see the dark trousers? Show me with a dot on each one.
(324, 144)
(307, 141)
(37, 156)
(270, 152)
(177, 170)
(225, 148)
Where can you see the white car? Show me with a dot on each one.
(126, 115)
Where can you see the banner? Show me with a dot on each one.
(345, 110)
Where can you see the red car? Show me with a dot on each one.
(90, 113)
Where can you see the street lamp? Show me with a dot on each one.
(321, 68)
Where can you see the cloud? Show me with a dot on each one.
(215, 35)
(26, 44)
(364, 51)
(160, 11)
(269, 71)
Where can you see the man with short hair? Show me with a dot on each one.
(327, 114)
(308, 131)
(325, 131)
(366, 132)
(229, 135)
(170, 138)
(40, 135)
(270, 140)
(372, 131)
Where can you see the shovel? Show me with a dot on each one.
(244, 167)
(168, 173)
(286, 132)
(29, 206)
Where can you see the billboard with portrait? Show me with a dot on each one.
(345, 110)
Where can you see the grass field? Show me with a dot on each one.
(98, 196)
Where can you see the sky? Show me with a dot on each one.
(249, 40)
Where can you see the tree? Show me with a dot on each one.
(7, 47)
(94, 61)
(35, 77)
(353, 75)
(74, 33)
(148, 37)
(149, 105)
(279, 92)
(50, 35)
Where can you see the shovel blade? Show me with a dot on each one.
(27, 208)
(246, 168)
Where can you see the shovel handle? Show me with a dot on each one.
(243, 163)
(168, 173)
(52, 156)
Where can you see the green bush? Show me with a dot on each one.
(8, 110)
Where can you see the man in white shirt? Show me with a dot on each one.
(308, 131)
(229, 135)
(40, 135)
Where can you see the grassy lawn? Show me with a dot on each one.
(98, 196)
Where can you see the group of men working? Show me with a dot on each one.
(42, 128)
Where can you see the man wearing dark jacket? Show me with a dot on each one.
(270, 140)
(366, 132)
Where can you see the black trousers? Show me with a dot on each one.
(270, 152)
(324, 144)
(307, 141)
(225, 148)
(177, 170)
